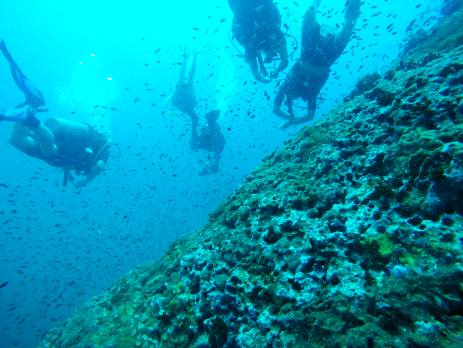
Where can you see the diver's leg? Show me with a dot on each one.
(351, 15)
(311, 107)
(191, 98)
(181, 76)
(38, 135)
(252, 59)
(32, 134)
(191, 77)
(20, 138)
(310, 17)
(33, 96)
(45, 140)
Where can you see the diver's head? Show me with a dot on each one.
(212, 116)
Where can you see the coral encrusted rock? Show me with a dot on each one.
(350, 236)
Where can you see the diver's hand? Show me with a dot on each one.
(274, 75)
(285, 124)
(263, 71)
(81, 183)
(194, 118)
(204, 172)
(40, 109)
(259, 77)
(277, 111)
(295, 121)
(262, 80)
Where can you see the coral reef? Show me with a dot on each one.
(350, 236)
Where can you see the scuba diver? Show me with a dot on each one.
(257, 27)
(320, 48)
(211, 139)
(73, 146)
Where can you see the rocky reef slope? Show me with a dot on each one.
(350, 236)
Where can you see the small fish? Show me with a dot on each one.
(3, 285)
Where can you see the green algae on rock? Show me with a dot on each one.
(350, 236)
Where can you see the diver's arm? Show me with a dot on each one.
(252, 60)
(278, 101)
(94, 171)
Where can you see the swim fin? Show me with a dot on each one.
(16, 114)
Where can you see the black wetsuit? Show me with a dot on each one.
(78, 153)
(184, 99)
(257, 27)
(254, 21)
(310, 73)
(212, 140)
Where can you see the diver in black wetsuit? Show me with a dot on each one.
(211, 139)
(319, 50)
(66, 144)
(257, 27)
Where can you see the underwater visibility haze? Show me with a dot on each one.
(348, 233)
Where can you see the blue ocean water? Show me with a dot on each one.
(115, 65)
